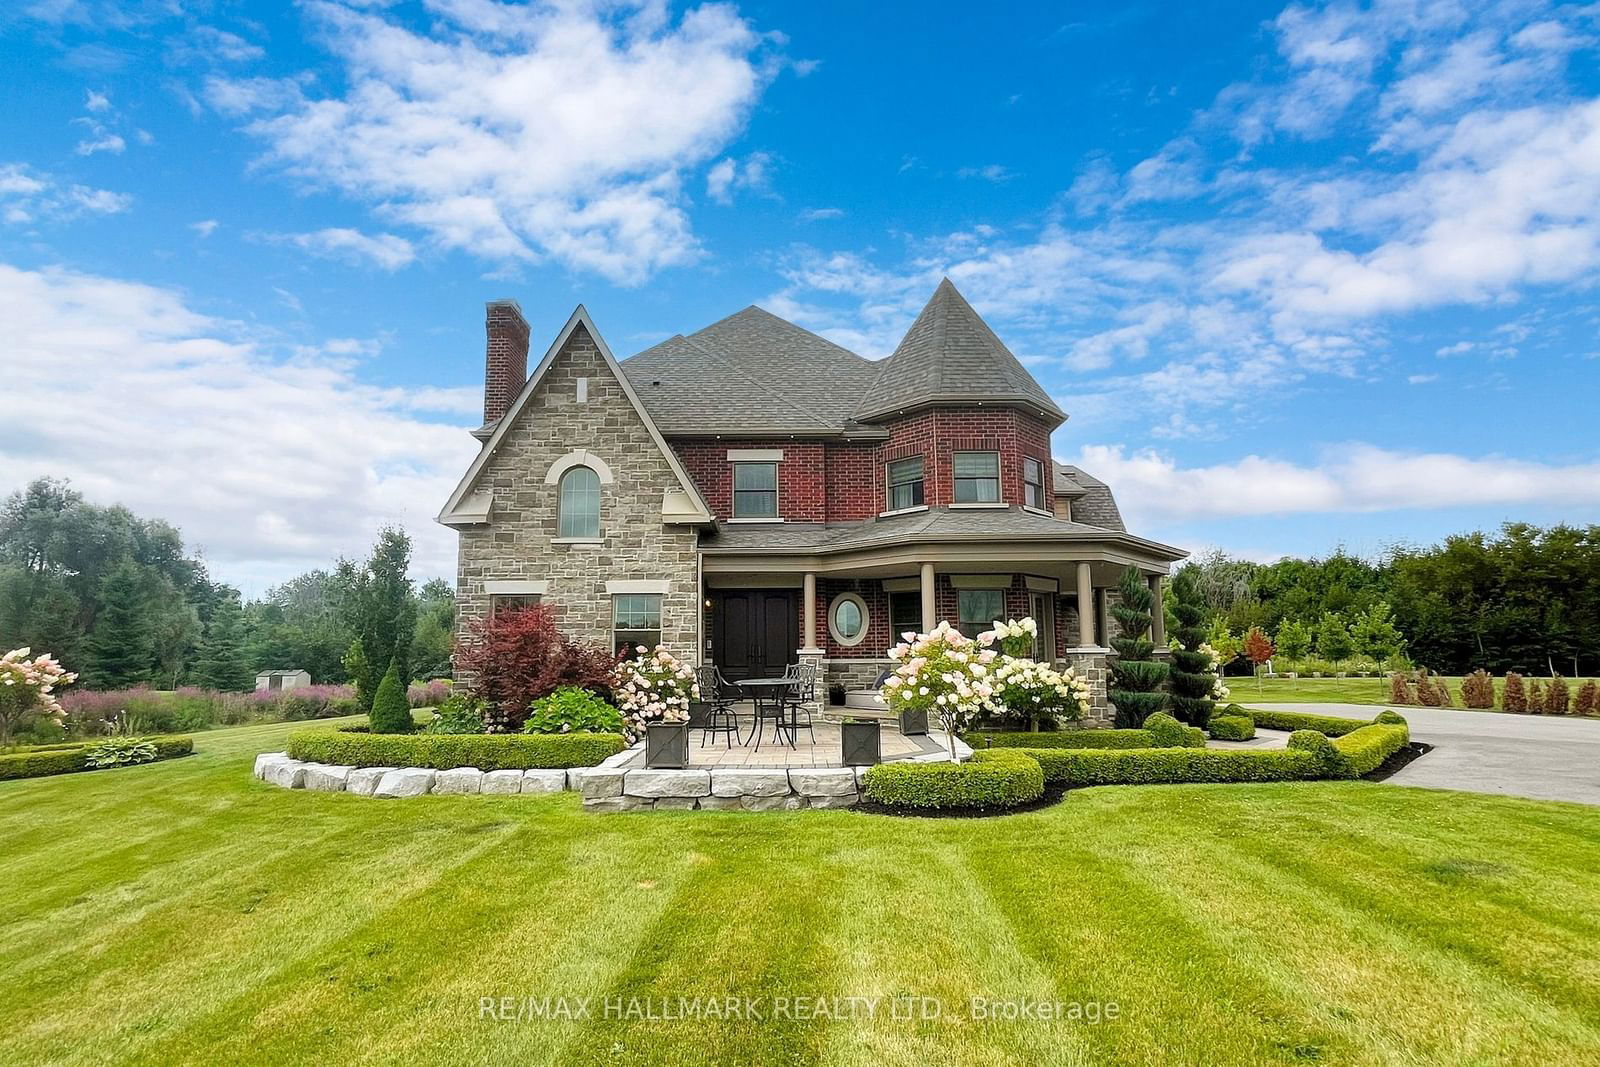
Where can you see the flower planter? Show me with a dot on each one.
(861, 742)
(666, 745)
(913, 722)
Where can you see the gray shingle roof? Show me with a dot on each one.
(933, 524)
(1092, 501)
(752, 372)
(951, 354)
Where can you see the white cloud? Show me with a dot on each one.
(819, 214)
(728, 175)
(28, 196)
(101, 141)
(205, 227)
(989, 172)
(519, 132)
(1355, 477)
(384, 250)
(96, 101)
(272, 465)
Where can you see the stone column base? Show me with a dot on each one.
(1091, 663)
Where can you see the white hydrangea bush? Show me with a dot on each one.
(654, 686)
(27, 689)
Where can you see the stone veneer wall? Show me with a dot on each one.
(518, 541)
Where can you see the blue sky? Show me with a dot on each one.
(1302, 275)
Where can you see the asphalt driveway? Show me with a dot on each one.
(1544, 757)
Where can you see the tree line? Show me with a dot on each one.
(1526, 598)
(119, 600)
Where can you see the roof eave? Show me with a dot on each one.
(1049, 412)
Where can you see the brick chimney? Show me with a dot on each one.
(506, 362)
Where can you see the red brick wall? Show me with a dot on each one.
(870, 590)
(802, 482)
(844, 481)
(505, 369)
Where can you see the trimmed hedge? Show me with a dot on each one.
(1365, 750)
(980, 739)
(1297, 720)
(994, 779)
(65, 759)
(487, 752)
(1168, 732)
(1080, 767)
(1231, 727)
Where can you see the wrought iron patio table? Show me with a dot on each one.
(771, 690)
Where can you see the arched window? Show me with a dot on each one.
(580, 503)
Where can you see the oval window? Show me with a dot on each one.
(847, 619)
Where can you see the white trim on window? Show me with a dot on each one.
(578, 458)
(902, 585)
(755, 455)
(1037, 511)
(516, 587)
(902, 511)
(866, 619)
(1037, 584)
(980, 581)
(735, 521)
(985, 506)
(579, 542)
(639, 585)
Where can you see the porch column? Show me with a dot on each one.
(810, 586)
(929, 609)
(1158, 614)
(1086, 607)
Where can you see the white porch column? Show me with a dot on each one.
(1086, 607)
(1158, 615)
(929, 609)
(810, 628)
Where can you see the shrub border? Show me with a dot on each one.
(443, 752)
(992, 780)
(47, 760)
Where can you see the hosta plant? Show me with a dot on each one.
(119, 752)
(572, 710)
(654, 686)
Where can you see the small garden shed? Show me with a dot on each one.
(282, 679)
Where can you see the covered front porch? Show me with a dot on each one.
(765, 608)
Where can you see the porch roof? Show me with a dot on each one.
(933, 526)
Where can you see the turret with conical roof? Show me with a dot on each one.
(950, 356)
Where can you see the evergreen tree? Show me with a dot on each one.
(1136, 678)
(118, 652)
(359, 668)
(221, 663)
(391, 714)
(1190, 680)
(380, 605)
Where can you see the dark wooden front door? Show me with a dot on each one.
(755, 632)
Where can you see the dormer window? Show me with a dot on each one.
(977, 477)
(905, 483)
(580, 504)
(755, 490)
(1033, 483)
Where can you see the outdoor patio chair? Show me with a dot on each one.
(798, 699)
(715, 707)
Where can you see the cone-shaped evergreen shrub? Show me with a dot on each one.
(1400, 690)
(391, 712)
(1477, 690)
(1557, 700)
(1515, 698)
(1535, 696)
(1190, 680)
(1588, 701)
(1136, 678)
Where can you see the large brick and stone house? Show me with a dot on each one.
(753, 494)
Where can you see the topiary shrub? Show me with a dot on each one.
(487, 752)
(1514, 697)
(1588, 699)
(1190, 680)
(572, 710)
(1299, 720)
(1136, 678)
(992, 780)
(1231, 727)
(1477, 690)
(1400, 691)
(1167, 732)
(1557, 699)
(1086, 767)
(391, 713)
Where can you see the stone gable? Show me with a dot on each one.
(519, 542)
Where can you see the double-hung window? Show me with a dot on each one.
(979, 609)
(755, 490)
(1033, 483)
(905, 483)
(580, 503)
(977, 477)
(635, 621)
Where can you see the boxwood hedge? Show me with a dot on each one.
(64, 759)
(980, 739)
(1168, 732)
(1143, 766)
(1297, 720)
(994, 779)
(1231, 727)
(487, 752)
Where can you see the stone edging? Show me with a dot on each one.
(609, 786)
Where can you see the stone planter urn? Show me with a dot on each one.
(913, 722)
(666, 745)
(861, 742)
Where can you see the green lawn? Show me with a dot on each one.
(182, 912)
(1341, 690)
